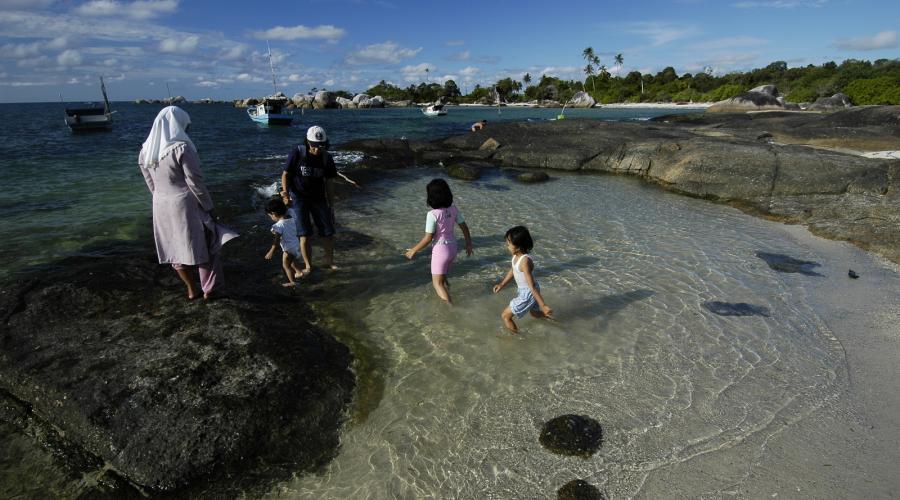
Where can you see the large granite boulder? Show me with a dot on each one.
(833, 103)
(581, 100)
(345, 103)
(324, 100)
(170, 101)
(359, 98)
(107, 350)
(399, 104)
(302, 100)
(375, 102)
(759, 99)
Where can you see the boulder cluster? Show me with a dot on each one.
(766, 98)
(324, 100)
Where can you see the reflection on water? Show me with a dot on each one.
(451, 405)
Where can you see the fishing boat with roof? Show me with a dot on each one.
(271, 110)
(90, 118)
(436, 109)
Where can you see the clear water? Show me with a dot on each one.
(627, 268)
(449, 404)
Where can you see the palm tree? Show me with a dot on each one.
(589, 71)
(592, 59)
(619, 61)
(527, 79)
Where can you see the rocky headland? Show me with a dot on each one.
(797, 167)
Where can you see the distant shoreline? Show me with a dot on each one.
(617, 105)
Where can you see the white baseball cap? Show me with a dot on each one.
(316, 134)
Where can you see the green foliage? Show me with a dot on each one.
(881, 90)
(865, 82)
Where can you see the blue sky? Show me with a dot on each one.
(217, 49)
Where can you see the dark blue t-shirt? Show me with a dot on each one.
(307, 173)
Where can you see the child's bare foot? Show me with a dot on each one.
(333, 267)
(302, 274)
(289, 284)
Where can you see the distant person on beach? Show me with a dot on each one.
(285, 232)
(307, 188)
(439, 225)
(184, 229)
(528, 299)
(479, 125)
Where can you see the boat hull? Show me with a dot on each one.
(87, 123)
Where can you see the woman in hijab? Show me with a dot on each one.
(186, 234)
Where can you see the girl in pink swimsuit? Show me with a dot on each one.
(439, 229)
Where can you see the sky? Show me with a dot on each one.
(217, 49)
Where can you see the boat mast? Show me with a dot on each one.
(272, 67)
(105, 99)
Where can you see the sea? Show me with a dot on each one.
(670, 329)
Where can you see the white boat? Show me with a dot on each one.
(89, 119)
(271, 110)
(434, 110)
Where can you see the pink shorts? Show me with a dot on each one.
(442, 256)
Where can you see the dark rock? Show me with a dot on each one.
(837, 101)
(764, 135)
(852, 274)
(787, 264)
(572, 435)
(464, 172)
(532, 177)
(578, 489)
(747, 101)
(166, 390)
(735, 309)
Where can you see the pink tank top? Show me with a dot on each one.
(446, 220)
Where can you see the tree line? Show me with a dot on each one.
(864, 82)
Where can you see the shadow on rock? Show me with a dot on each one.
(172, 394)
(735, 309)
(786, 264)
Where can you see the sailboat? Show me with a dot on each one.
(89, 119)
(271, 110)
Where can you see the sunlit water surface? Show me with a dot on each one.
(459, 403)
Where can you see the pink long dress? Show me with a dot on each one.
(180, 208)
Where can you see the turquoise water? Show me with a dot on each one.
(63, 192)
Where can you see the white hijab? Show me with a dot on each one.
(169, 130)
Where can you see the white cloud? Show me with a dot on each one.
(328, 83)
(20, 50)
(36, 62)
(469, 71)
(460, 56)
(16, 4)
(69, 58)
(659, 33)
(882, 40)
(247, 77)
(207, 83)
(233, 53)
(27, 84)
(300, 32)
(387, 52)
(110, 62)
(58, 43)
(418, 73)
(184, 45)
(140, 9)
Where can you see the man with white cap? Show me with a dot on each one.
(307, 188)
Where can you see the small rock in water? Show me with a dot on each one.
(579, 490)
(852, 274)
(787, 264)
(735, 309)
(572, 435)
(532, 177)
(464, 172)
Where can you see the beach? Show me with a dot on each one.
(723, 354)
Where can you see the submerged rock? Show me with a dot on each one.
(579, 489)
(735, 309)
(787, 264)
(463, 171)
(532, 177)
(572, 435)
(166, 390)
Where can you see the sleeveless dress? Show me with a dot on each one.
(524, 300)
(444, 249)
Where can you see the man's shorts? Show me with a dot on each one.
(316, 210)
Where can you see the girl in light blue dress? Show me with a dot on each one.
(528, 299)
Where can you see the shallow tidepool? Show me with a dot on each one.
(692, 397)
